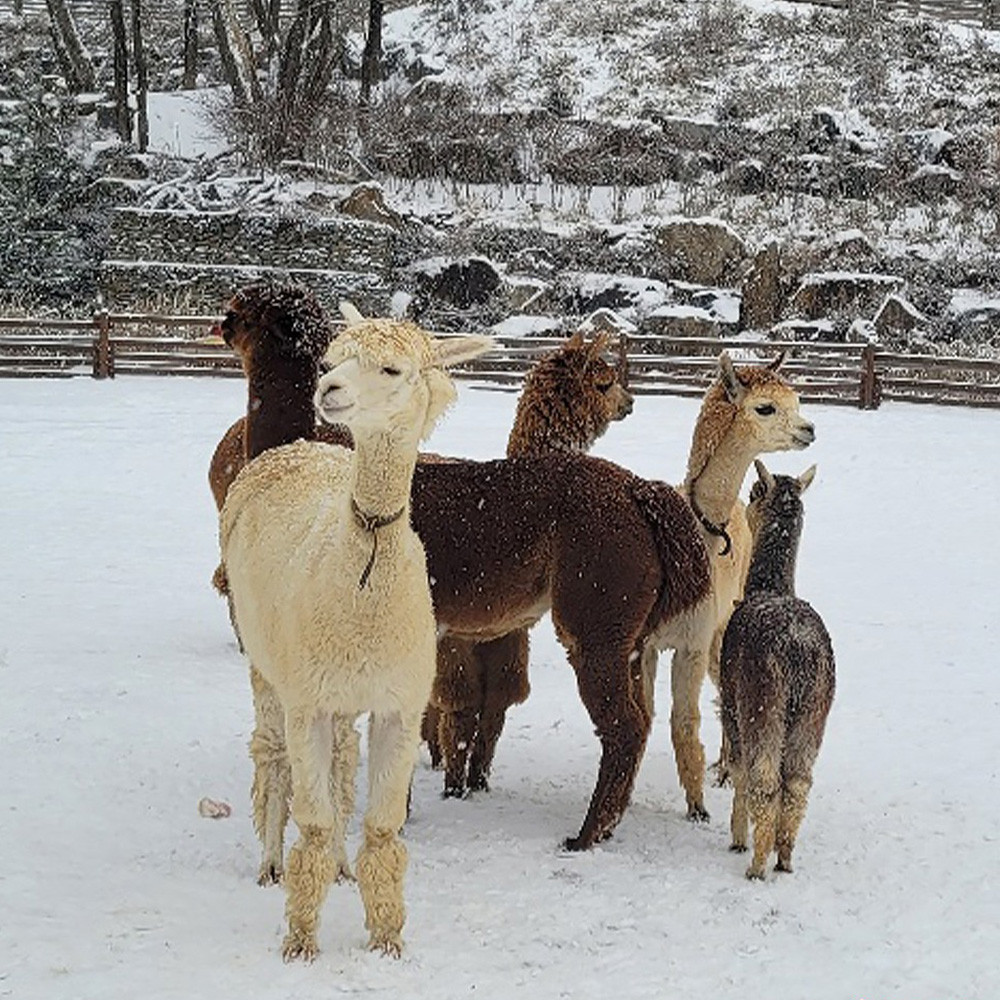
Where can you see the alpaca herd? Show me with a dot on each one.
(364, 579)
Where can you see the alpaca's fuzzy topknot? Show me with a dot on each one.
(289, 314)
(377, 341)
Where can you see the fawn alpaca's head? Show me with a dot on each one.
(390, 374)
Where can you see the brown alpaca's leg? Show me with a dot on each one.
(381, 863)
(272, 779)
(457, 694)
(311, 864)
(430, 726)
(686, 676)
(458, 730)
(503, 665)
(613, 697)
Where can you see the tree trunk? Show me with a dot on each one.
(991, 15)
(371, 60)
(123, 122)
(141, 78)
(190, 44)
(70, 49)
(235, 54)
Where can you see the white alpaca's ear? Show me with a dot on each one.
(735, 389)
(442, 394)
(764, 475)
(806, 478)
(351, 313)
(451, 351)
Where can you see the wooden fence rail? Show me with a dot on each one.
(855, 374)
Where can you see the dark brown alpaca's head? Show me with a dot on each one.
(569, 399)
(266, 323)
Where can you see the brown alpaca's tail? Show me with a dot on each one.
(679, 544)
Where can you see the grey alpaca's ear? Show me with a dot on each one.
(451, 351)
(735, 389)
(764, 475)
(806, 478)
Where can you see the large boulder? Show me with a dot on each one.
(763, 295)
(707, 251)
(462, 283)
(828, 293)
(367, 202)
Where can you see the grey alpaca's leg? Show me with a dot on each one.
(738, 822)
(687, 672)
(764, 806)
(311, 865)
(272, 779)
(794, 796)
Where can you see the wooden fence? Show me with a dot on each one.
(862, 375)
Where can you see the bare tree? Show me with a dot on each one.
(371, 59)
(141, 78)
(73, 55)
(190, 35)
(123, 121)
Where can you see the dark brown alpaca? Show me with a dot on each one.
(569, 398)
(508, 540)
(776, 680)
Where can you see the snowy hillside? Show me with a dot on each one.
(123, 701)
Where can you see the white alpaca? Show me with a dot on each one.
(329, 584)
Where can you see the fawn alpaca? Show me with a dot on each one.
(776, 680)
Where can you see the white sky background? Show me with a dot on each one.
(123, 701)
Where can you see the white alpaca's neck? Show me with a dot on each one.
(383, 471)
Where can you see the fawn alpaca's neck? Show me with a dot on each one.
(715, 489)
(775, 552)
(280, 404)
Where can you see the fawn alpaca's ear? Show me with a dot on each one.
(806, 478)
(765, 476)
(778, 361)
(735, 389)
(599, 343)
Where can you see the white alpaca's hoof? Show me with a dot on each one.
(297, 946)
(389, 943)
(271, 873)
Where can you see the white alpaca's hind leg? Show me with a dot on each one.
(311, 866)
(381, 863)
(272, 779)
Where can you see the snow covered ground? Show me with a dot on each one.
(123, 701)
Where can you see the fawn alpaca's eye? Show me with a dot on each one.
(765, 409)
(389, 370)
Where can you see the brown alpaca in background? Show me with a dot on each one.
(569, 398)
(777, 680)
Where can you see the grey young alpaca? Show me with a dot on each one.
(776, 679)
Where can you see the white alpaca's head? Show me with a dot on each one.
(390, 374)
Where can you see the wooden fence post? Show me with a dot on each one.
(103, 364)
(870, 392)
(623, 358)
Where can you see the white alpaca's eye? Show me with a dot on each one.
(389, 370)
(765, 409)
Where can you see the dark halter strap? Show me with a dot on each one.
(371, 523)
(719, 530)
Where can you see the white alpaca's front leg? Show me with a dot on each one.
(346, 751)
(381, 863)
(311, 865)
